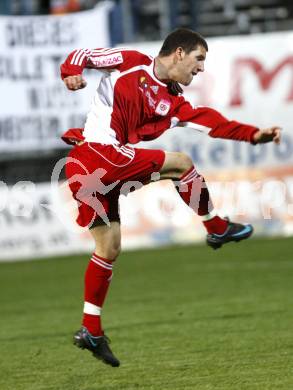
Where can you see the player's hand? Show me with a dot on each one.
(73, 83)
(272, 134)
(174, 88)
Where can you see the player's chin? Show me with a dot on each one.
(186, 82)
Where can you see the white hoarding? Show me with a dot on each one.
(35, 107)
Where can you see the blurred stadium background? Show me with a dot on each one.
(223, 319)
(248, 77)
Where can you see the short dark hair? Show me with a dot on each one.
(182, 37)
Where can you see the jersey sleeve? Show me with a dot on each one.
(203, 119)
(103, 58)
(211, 122)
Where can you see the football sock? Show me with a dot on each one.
(216, 225)
(97, 280)
(193, 190)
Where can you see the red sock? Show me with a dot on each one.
(193, 190)
(216, 225)
(97, 280)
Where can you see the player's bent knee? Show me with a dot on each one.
(176, 161)
(182, 162)
(185, 162)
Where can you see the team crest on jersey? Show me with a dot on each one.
(163, 107)
(155, 88)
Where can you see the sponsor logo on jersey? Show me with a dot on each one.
(108, 60)
(163, 107)
(143, 82)
(155, 88)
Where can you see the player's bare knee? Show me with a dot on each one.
(107, 240)
(110, 253)
(116, 251)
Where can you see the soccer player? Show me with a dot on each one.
(138, 98)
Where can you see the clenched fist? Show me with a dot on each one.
(73, 83)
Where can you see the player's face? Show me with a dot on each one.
(190, 64)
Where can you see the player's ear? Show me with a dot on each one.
(179, 52)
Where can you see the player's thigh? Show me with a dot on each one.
(175, 164)
(107, 240)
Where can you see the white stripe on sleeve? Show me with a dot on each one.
(196, 126)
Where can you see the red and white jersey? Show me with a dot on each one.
(131, 104)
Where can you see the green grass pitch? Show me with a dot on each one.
(179, 318)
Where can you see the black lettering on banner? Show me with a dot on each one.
(45, 208)
(21, 68)
(53, 96)
(60, 238)
(30, 67)
(40, 212)
(56, 60)
(40, 32)
(31, 242)
(17, 129)
(50, 129)
(33, 98)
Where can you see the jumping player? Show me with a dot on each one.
(138, 98)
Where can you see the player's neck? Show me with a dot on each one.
(161, 69)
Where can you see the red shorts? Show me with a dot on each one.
(97, 174)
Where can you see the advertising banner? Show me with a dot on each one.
(33, 223)
(35, 106)
(39, 220)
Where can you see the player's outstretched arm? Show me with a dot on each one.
(271, 134)
(210, 121)
(73, 83)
